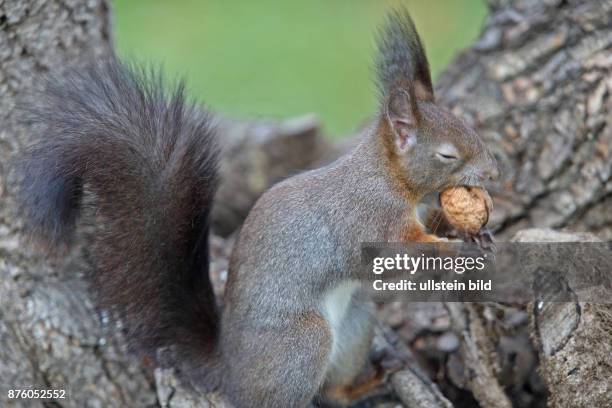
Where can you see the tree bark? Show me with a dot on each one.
(478, 354)
(573, 339)
(536, 85)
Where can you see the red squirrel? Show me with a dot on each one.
(295, 326)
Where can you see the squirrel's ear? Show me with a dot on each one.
(402, 116)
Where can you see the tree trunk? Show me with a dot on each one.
(537, 86)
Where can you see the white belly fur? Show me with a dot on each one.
(336, 302)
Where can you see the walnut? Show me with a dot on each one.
(466, 208)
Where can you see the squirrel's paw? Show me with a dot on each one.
(485, 240)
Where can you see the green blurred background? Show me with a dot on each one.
(275, 58)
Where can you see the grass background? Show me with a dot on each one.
(270, 58)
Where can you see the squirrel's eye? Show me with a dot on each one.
(447, 153)
(446, 156)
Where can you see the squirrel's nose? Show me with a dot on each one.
(491, 172)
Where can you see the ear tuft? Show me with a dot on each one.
(401, 57)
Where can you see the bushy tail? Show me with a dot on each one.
(149, 160)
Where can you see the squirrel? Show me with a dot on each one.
(295, 326)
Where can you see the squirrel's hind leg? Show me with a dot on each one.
(278, 367)
(350, 375)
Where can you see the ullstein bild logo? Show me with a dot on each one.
(513, 272)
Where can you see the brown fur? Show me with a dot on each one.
(415, 232)
(346, 394)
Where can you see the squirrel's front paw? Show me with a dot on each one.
(484, 239)
(480, 245)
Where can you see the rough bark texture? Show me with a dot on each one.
(574, 340)
(537, 86)
(411, 385)
(478, 353)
